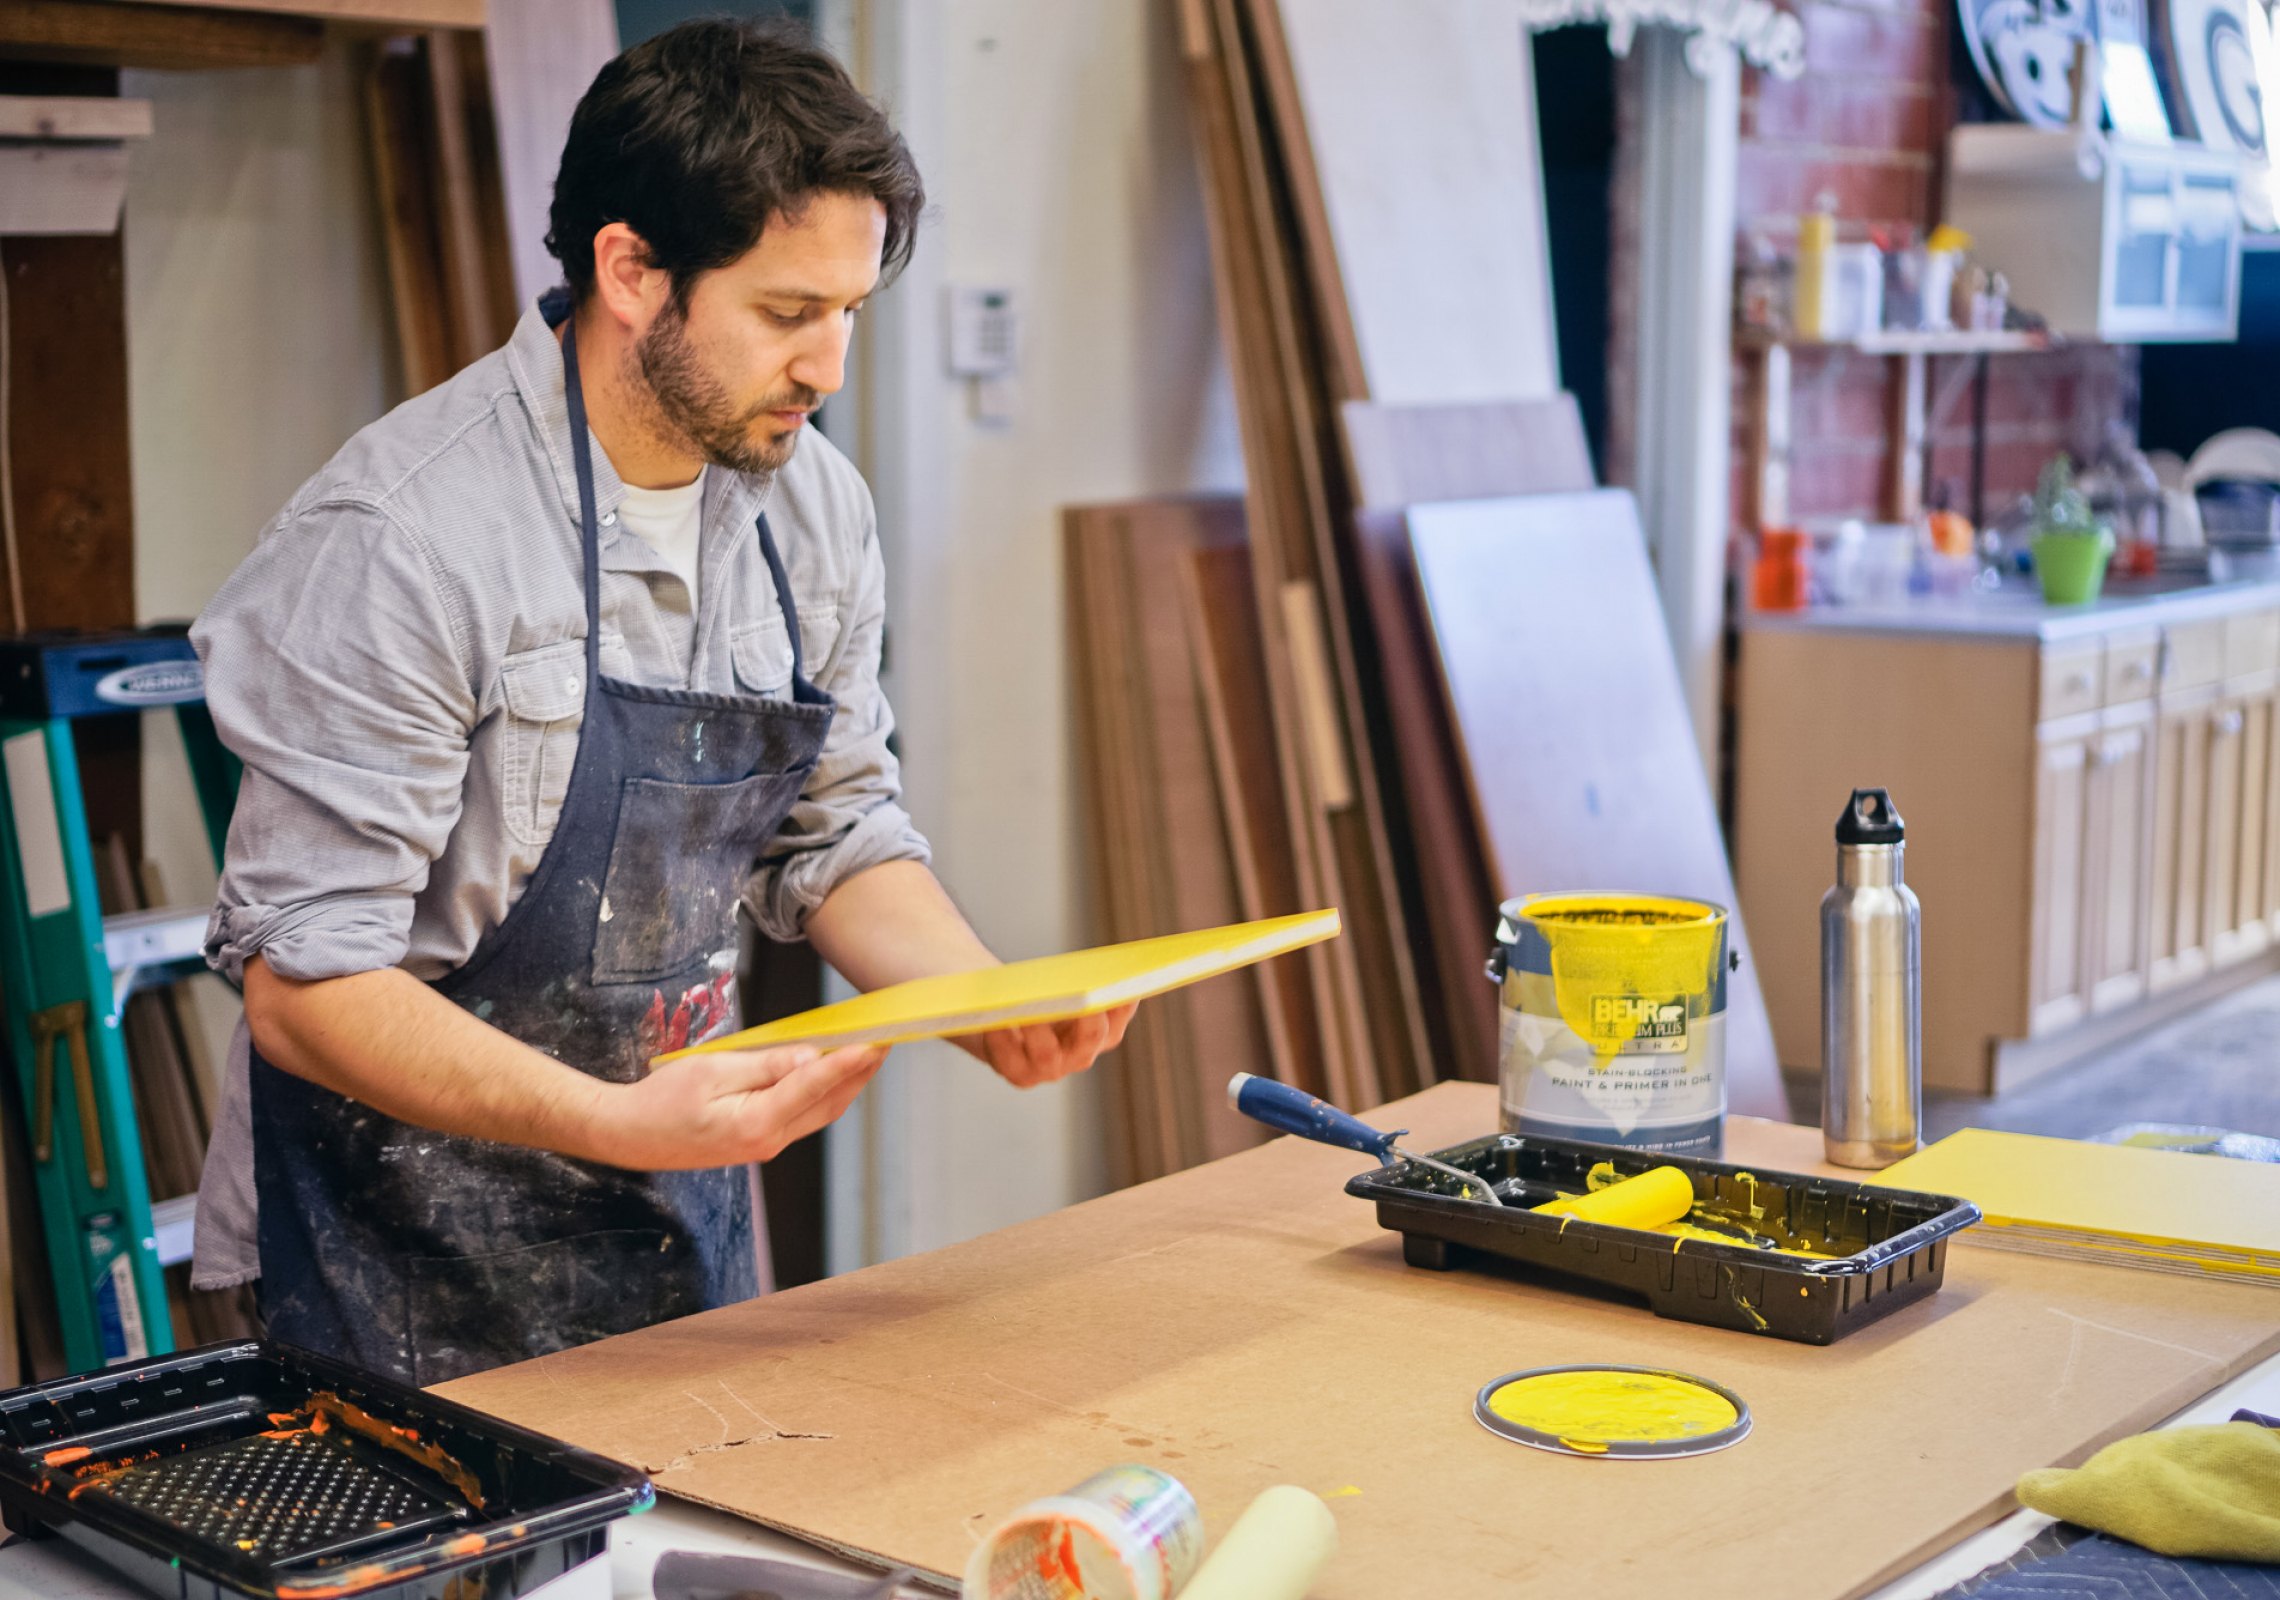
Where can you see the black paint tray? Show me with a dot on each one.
(256, 1469)
(1889, 1245)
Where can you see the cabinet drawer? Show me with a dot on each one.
(2132, 660)
(2071, 679)
(2193, 653)
(2252, 642)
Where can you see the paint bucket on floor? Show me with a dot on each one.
(1613, 1013)
(1126, 1533)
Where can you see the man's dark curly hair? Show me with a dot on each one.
(697, 138)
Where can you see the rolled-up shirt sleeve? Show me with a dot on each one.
(338, 671)
(849, 818)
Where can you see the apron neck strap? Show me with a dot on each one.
(589, 530)
(590, 537)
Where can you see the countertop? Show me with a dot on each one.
(2020, 615)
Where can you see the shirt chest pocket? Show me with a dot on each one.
(762, 653)
(545, 694)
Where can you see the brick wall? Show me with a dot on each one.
(1868, 123)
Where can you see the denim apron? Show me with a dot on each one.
(426, 1256)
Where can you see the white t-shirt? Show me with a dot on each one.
(669, 522)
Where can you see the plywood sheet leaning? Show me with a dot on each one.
(1399, 456)
(1247, 1323)
(1579, 761)
(1157, 837)
(1372, 1023)
(1408, 134)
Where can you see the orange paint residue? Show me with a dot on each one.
(349, 1582)
(67, 1455)
(1070, 1571)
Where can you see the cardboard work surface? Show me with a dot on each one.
(1245, 1323)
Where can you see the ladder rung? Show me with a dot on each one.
(173, 1223)
(148, 938)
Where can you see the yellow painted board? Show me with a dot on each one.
(1048, 989)
(2103, 1197)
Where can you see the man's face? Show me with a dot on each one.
(764, 339)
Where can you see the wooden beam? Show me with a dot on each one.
(385, 13)
(164, 37)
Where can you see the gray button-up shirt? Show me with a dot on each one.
(400, 664)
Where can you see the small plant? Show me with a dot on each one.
(2061, 508)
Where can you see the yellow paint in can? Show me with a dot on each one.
(1645, 946)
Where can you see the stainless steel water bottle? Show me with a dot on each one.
(1872, 1064)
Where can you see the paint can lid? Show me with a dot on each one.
(1613, 1411)
(1870, 819)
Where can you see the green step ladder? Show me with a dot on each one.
(66, 971)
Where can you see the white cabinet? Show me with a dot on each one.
(2122, 242)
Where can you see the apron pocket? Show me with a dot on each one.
(677, 864)
(471, 1313)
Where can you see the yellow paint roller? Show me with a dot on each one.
(1653, 1198)
(1273, 1552)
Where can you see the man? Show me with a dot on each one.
(538, 678)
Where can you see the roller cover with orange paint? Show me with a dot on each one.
(1654, 1197)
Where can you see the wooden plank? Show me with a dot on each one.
(477, 274)
(112, 33)
(1346, 849)
(1580, 765)
(1238, 282)
(1247, 1323)
(1456, 890)
(388, 13)
(1231, 674)
(398, 123)
(1164, 862)
(67, 431)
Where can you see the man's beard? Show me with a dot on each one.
(692, 403)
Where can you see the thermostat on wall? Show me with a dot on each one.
(985, 332)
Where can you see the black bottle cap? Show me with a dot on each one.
(1870, 819)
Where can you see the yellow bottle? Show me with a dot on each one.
(1816, 234)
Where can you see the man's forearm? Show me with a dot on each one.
(893, 923)
(389, 1041)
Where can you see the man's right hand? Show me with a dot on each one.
(725, 1107)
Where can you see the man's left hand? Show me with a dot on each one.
(1046, 1052)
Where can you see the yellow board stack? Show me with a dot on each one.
(2202, 1216)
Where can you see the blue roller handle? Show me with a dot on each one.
(1295, 1111)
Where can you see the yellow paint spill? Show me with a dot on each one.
(1340, 1494)
(1591, 1410)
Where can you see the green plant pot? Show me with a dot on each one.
(2071, 566)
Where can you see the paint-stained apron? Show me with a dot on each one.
(427, 1256)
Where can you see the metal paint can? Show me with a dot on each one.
(1613, 1019)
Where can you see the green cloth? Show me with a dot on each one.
(2209, 1493)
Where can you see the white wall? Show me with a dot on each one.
(1054, 143)
(257, 343)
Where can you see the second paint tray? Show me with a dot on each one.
(1885, 1248)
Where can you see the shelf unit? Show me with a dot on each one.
(1907, 402)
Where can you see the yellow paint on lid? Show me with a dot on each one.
(1590, 1410)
